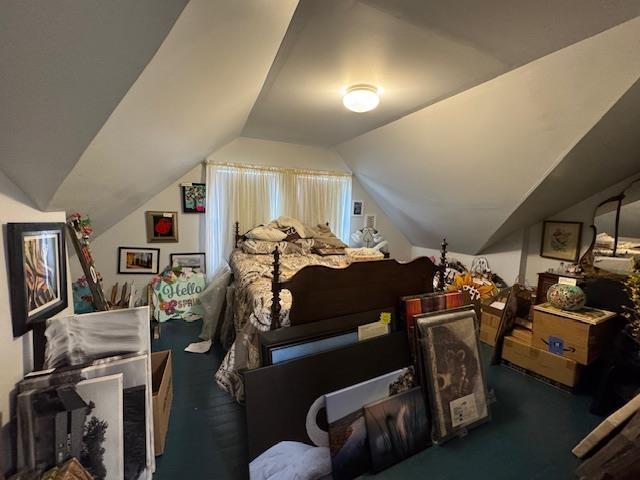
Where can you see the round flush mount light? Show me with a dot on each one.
(361, 98)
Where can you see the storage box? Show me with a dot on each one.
(162, 374)
(489, 321)
(564, 334)
(551, 366)
(523, 334)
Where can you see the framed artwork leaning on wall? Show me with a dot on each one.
(37, 271)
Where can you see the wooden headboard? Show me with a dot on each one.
(321, 292)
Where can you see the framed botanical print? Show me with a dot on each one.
(561, 240)
(38, 272)
(162, 227)
(139, 260)
(197, 261)
(194, 197)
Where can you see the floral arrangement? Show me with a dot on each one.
(83, 223)
(632, 314)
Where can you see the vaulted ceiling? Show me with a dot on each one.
(494, 114)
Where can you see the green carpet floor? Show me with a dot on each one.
(530, 436)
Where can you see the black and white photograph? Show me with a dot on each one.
(196, 261)
(397, 428)
(348, 442)
(37, 265)
(451, 360)
(357, 209)
(137, 404)
(84, 420)
(135, 260)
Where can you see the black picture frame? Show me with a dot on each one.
(155, 269)
(202, 255)
(184, 191)
(25, 313)
(546, 252)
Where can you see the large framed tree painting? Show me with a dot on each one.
(38, 272)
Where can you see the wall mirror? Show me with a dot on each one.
(615, 248)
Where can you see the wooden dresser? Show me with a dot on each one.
(546, 279)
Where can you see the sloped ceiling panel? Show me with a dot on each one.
(193, 97)
(64, 66)
(458, 167)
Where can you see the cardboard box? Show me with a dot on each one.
(488, 335)
(489, 321)
(551, 366)
(555, 331)
(523, 334)
(162, 374)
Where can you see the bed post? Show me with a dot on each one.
(275, 290)
(443, 264)
(237, 236)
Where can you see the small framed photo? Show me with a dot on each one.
(561, 240)
(358, 208)
(194, 197)
(37, 272)
(139, 260)
(196, 261)
(162, 227)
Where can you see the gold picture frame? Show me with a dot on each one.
(162, 227)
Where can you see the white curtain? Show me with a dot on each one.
(254, 195)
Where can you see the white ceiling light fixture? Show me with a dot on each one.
(361, 98)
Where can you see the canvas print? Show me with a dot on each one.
(137, 404)
(37, 268)
(194, 197)
(83, 420)
(196, 261)
(561, 240)
(358, 208)
(397, 428)
(162, 226)
(132, 260)
(451, 361)
(348, 443)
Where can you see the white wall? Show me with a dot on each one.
(15, 353)
(131, 232)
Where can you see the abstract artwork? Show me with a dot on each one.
(162, 227)
(38, 272)
(453, 373)
(348, 442)
(397, 428)
(194, 197)
(561, 240)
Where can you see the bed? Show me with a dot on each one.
(308, 287)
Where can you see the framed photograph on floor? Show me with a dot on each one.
(561, 240)
(194, 197)
(38, 272)
(162, 227)
(452, 371)
(136, 260)
(196, 261)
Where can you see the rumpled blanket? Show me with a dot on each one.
(292, 461)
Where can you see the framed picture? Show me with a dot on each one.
(358, 208)
(397, 428)
(38, 272)
(452, 372)
(561, 240)
(191, 260)
(194, 197)
(139, 260)
(162, 226)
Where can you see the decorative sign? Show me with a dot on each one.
(178, 296)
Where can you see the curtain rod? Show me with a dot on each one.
(267, 168)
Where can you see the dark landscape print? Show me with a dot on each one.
(397, 428)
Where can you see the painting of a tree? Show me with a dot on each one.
(92, 456)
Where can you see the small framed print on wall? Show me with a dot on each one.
(139, 260)
(162, 227)
(196, 261)
(561, 240)
(38, 272)
(357, 209)
(194, 196)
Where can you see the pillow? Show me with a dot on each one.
(269, 234)
(285, 223)
(262, 247)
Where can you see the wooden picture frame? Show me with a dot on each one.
(561, 240)
(162, 227)
(37, 271)
(138, 261)
(194, 197)
(188, 260)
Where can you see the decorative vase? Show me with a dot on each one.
(566, 297)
